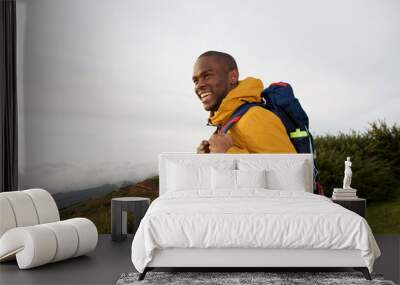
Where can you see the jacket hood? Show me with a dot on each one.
(248, 90)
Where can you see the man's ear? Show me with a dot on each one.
(234, 77)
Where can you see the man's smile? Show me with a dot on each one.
(204, 96)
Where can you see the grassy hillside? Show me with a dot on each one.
(384, 217)
(99, 210)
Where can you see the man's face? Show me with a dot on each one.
(211, 81)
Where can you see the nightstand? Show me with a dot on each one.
(119, 208)
(357, 205)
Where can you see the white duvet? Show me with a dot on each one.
(250, 219)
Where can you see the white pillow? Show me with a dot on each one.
(251, 178)
(293, 179)
(226, 179)
(281, 174)
(223, 179)
(188, 175)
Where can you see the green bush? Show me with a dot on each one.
(375, 154)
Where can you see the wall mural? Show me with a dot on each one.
(100, 96)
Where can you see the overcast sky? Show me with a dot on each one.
(104, 86)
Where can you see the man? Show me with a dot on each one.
(216, 80)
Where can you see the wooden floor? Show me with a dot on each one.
(111, 259)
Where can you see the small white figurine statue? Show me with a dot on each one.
(347, 174)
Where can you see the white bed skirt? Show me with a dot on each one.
(193, 257)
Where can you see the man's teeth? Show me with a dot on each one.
(205, 94)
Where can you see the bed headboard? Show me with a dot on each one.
(271, 159)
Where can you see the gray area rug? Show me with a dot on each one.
(225, 278)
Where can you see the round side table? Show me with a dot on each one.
(119, 208)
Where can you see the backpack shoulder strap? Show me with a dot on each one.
(239, 112)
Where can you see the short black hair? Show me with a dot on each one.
(226, 58)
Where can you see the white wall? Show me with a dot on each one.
(104, 86)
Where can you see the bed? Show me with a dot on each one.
(247, 210)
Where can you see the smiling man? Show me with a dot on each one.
(217, 85)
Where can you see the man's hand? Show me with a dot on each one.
(220, 142)
(204, 147)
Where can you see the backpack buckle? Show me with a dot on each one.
(298, 134)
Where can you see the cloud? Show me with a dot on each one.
(65, 177)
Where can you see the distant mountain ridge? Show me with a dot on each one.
(66, 199)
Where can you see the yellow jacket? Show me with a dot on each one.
(258, 130)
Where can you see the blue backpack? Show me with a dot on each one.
(279, 99)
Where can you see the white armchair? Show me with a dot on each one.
(31, 230)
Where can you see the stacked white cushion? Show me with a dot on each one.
(34, 244)
(23, 208)
(87, 234)
(26, 208)
(7, 218)
(52, 242)
(45, 206)
(66, 236)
